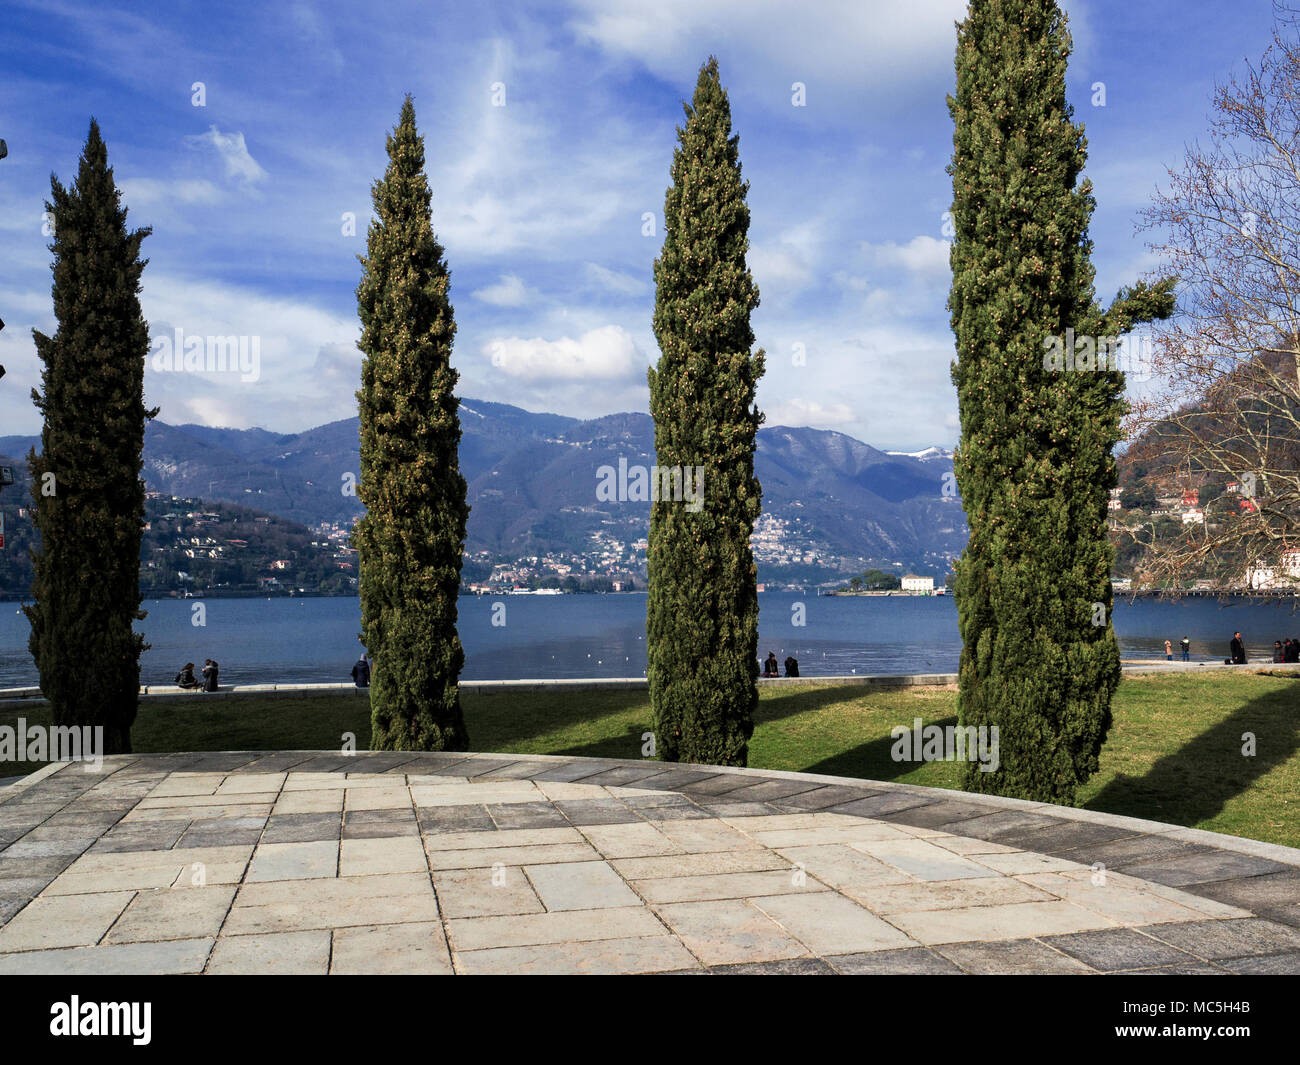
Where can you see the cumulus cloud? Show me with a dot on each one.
(231, 150)
(921, 255)
(777, 267)
(510, 291)
(835, 46)
(605, 354)
(307, 365)
(339, 362)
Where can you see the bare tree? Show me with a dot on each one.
(1226, 413)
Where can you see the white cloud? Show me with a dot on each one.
(921, 255)
(810, 412)
(210, 410)
(148, 192)
(777, 267)
(520, 178)
(615, 281)
(510, 291)
(605, 354)
(832, 45)
(308, 367)
(232, 152)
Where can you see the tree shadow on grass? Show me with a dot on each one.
(873, 760)
(797, 701)
(1194, 783)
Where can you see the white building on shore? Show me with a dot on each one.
(918, 585)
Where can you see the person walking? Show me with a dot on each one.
(1169, 651)
(1187, 649)
(1238, 649)
(361, 673)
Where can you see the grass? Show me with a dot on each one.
(1175, 752)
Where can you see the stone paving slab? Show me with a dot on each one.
(399, 862)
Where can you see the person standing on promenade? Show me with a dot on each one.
(1279, 653)
(361, 673)
(1169, 651)
(1238, 650)
(1187, 649)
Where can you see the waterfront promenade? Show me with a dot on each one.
(17, 696)
(319, 862)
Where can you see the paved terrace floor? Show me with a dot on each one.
(302, 862)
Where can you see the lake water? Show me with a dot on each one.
(315, 640)
(566, 636)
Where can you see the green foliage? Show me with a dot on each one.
(89, 499)
(702, 604)
(1035, 462)
(875, 580)
(412, 536)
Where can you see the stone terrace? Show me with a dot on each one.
(302, 862)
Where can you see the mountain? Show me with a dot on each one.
(829, 501)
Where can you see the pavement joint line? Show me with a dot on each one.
(248, 867)
(433, 883)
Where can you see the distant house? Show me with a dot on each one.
(1114, 503)
(1194, 516)
(1261, 577)
(918, 585)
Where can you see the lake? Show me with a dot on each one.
(315, 640)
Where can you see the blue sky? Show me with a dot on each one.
(540, 202)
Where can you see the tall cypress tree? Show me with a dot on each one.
(412, 536)
(702, 609)
(1034, 466)
(86, 486)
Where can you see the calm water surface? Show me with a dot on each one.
(315, 640)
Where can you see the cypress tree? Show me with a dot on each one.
(87, 492)
(1035, 465)
(702, 609)
(412, 536)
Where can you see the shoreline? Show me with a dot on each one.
(11, 698)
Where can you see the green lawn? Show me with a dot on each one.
(1174, 753)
